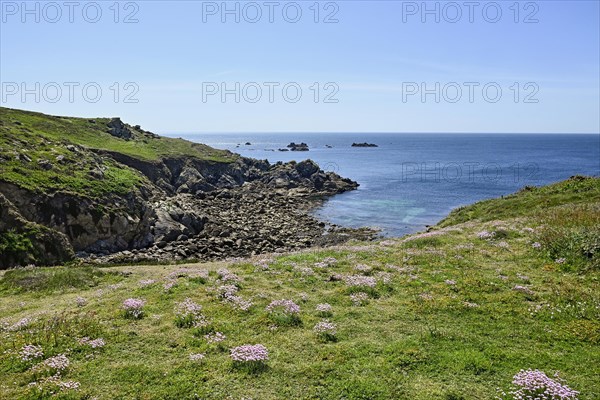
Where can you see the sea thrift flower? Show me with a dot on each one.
(169, 284)
(360, 280)
(384, 277)
(284, 312)
(486, 235)
(536, 245)
(283, 306)
(327, 262)
(94, 344)
(365, 269)
(326, 330)
(30, 352)
(227, 276)
(147, 282)
(57, 363)
(133, 308)
(359, 299)
(68, 385)
(188, 313)
(561, 260)
(450, 282)
(249, 353)
(21, 324)
(324, 308)
(238, 302)
(216, 337)
(225, 291)
(197, 357)
(536, 385)
(80, 301)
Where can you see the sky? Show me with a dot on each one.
(306, 66)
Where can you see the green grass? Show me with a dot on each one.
(83, 132)
(48, 280)
(448, 325)
(28, 139)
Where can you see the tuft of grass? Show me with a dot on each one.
(571, 234)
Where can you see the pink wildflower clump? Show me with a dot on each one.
(197, 357)
(326, 263)
(326, 330)
(365, 269)
(134, 308)
(225, 291)
(31, 352)
(215, 337)
(324, 309)
(188, 314)
(21, 324)
(56, 364)
(283, 306)
(360, 280)
(80, 301)
(384, 277)
(536, 245)
(147, 282)
(359, 299)
(227, 276)
(93, 343)
(284, 312)
(228, 294)
(536, 385)
(249, 353)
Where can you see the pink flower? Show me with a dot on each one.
(30, 352)
(284, 306)
(133, 308)
(249, 353)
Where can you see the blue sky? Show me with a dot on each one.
(376, 59)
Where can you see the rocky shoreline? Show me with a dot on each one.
(245, 221)
(197, 203)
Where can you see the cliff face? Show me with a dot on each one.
(100, 186)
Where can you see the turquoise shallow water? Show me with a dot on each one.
(413, 180)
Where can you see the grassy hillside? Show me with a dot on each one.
(34, 153)
(449, 314)
(529, 200)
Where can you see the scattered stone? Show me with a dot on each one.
(118, 129)
(45, 164)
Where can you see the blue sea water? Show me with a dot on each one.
(413, 180)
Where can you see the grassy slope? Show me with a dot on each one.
(41, 136)
(422, 338)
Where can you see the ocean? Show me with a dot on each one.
(414, 180)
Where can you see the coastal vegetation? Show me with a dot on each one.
(491, 303)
